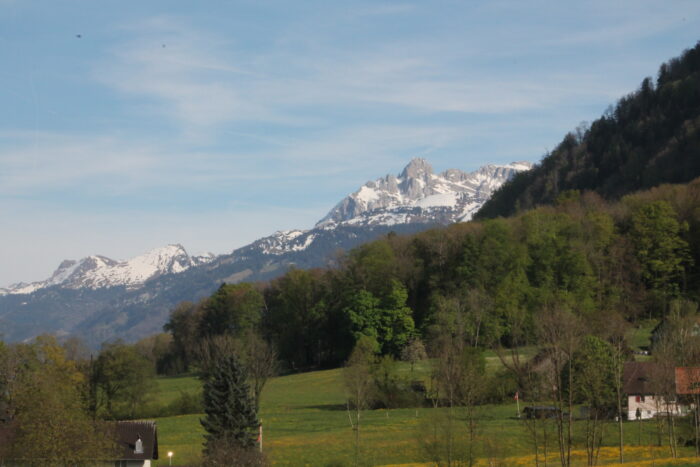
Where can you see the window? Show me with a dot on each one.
(138, 447)
(638, 398)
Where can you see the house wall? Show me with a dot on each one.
(650, 406)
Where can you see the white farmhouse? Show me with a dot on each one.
(654, 390)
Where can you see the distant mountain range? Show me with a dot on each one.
(100, 298)
(96, 271)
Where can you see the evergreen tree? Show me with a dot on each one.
(229, 407)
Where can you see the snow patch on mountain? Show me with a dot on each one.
(415, 196)
(419, 195)
(285, 241)
(99, 271)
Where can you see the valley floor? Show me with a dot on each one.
(306, 423)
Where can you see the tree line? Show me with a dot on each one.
(495, 278)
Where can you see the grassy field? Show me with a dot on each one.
(639, 337)
(306, 423)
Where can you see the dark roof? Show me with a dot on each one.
(128, 432)
(688, 380)
(638, 377)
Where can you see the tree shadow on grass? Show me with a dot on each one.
(327, 407)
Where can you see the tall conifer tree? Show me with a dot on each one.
(229, 406)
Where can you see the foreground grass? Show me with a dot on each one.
(306, 423)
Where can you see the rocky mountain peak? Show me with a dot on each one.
(417, 168)
(419, 195)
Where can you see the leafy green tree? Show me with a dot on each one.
(372, 266)
(557, 264)
(500, 254)
(183, 325)
(232, 309)
(593, 368)
(364, 314)
(123, 379)
(660, 248)
(386, 319)
(297, 316)
(156, 348)
(391, 388)
(49, 422)
(229, 407)
(397, 323)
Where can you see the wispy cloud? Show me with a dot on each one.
(47, 162)
(203, 82)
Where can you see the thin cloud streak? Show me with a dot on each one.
(195, 83)
(49, 162)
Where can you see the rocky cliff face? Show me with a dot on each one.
(419, 195)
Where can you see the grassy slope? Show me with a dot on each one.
(306, 423)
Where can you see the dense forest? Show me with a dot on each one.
(651, 136)
(495, 279)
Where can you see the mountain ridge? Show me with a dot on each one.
(415, 196)
(96, 271)
(101, 299)
(418, 187)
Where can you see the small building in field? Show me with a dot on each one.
(653, 390)
(137, 443)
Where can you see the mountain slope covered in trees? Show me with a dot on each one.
(494, 282)
(649, 137)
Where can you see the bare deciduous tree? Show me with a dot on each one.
(560, 332)
(357, 378)
(256, 355)
(414, 352)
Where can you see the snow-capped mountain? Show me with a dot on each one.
(99, 271)
(419, 195)
(100, 298)
(415, 196)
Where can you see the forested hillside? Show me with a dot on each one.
(551, 295)
(649, 137)
(582, 259)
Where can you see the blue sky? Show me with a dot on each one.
(214, 123)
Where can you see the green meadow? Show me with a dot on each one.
(306, 423)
